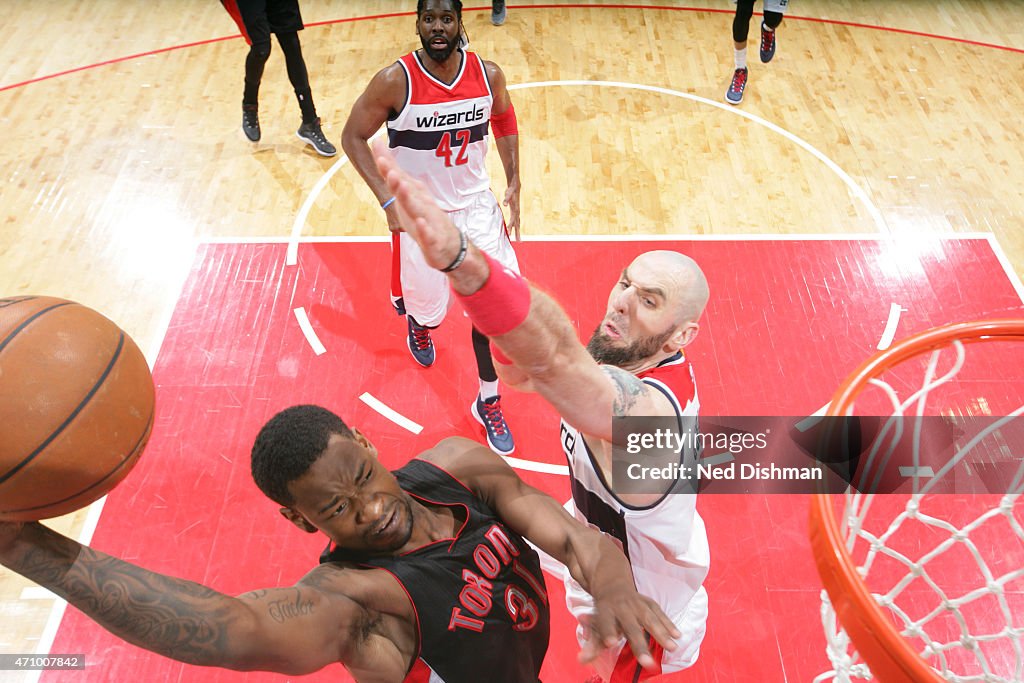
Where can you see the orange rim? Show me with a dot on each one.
(887, 653)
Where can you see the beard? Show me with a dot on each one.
(604, 351)
(439, 55)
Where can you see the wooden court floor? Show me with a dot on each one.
(123, 149)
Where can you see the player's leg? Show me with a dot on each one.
(484, 224)
(773, 11)
(427, 297)
(310, 130)
(286, 21)
(498, 12)
(740, 30)
(257, 31)
(486, 408)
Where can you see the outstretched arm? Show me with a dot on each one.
(543, 345)
(383, 95)
(294, 630)
(592, 558)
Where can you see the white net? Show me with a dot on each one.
(943, 551)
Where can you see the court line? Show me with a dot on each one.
(535, 466)
(390, 413)
(890, 327)
(857, 190)
(308, 331)
(391, 15)
(645, 237)
(1004, 261)
(292, 256)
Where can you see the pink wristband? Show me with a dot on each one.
(502, 304)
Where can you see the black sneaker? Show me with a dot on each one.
(498, 12)
(251, 122)
(420, 344)
(314, 135)
(734, 95)
(488, 413)
(767, 44)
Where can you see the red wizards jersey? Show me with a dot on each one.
(440, 134)
(480, 602)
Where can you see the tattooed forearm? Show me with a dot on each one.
(173, 617)
(628, 388)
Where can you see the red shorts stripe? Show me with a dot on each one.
(628, 670)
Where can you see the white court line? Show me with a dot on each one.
(37, 593)
(385, 410)
(909, 471)
(644, 237)
(813, 419)
(717, 459)
(856, 189)
(165, 319)
(889, 333)
(308, 331)
(292, 256)
(1011, 274)
(534, 466)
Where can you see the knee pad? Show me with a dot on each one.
(260, 51)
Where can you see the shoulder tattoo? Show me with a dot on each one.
(628, 388)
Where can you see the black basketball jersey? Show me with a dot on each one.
(480, 602)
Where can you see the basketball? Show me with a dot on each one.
(76, 405)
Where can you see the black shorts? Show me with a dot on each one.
(263, 17)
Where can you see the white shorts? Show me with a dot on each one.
(690, 618)
(692, 623)
(425, 289)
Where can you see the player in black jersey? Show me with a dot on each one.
(461, 596)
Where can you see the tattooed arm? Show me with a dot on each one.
(292, 630)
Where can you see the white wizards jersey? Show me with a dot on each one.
(666, 542)
(440, 134)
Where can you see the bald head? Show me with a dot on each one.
(687, 287)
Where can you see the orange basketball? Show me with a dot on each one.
(76, 406)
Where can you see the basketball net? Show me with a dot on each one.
(922, 585)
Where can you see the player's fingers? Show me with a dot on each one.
(590, 645)
(662, 629)
(637, 639)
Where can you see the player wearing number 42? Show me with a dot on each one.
(440, 104)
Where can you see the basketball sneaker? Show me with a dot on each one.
(314, 135)
(420, 344)
(251, 122)
(488, 413)
(498, 12)
(734, 95)
(767, 44)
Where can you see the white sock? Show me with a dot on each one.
(741, 58)
(488, 389)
